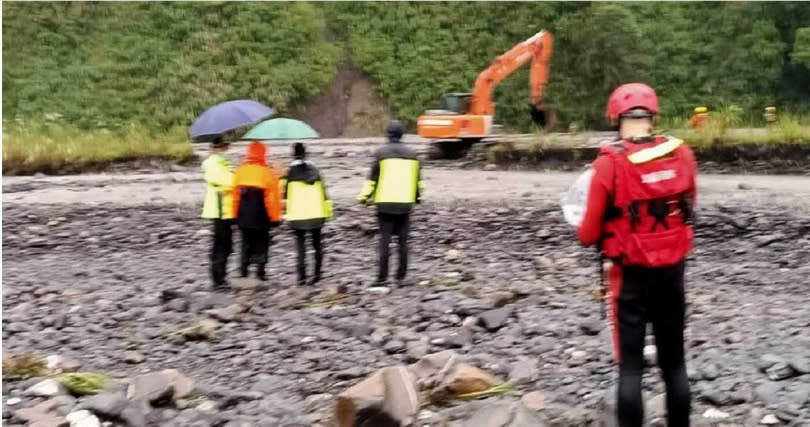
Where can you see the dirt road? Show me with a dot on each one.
(98, 265)
(445, 186)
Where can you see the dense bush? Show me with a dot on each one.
(161, 63)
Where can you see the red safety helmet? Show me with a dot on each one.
(628, 97)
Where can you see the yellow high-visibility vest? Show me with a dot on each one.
(398, 181)
(218, 197)
(306, 201)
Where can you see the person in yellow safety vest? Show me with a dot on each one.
(307, 209)
(394, 186)
(698, 117)
(769, 115)
(218, 207)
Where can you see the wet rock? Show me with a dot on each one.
(495, 415)
(226, 314)
(133, 357)
(710, 371)
(780, 371)
(768, 393)
(800, 364)
(350, 373)
(160, 386)
(108, 405)
(64, 404)
(394, 347)
(416, 350)
(769, 420)
(452, 255)
(46, 388)
(591, 327)
(83, 419)
(41, 415)
(492, 320)
(534, 401)
(524, 371)
(269, 384)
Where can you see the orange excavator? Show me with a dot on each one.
(466, 118)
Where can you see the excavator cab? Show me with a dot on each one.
(458, 103)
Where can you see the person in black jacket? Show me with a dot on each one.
(394, 186)
(307, 209)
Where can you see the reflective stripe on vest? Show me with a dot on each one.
(397, 182)
(660, 150)
(305, 201)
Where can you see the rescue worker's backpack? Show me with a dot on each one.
(650, 221)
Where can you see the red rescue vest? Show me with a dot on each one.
(649, 223)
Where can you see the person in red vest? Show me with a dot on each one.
(639, 213)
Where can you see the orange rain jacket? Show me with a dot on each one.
(254, 180)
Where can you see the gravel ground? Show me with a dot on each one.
(95, 266)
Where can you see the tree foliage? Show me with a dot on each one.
(162, 63)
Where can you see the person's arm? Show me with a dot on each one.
(590, 231)
(371, 183)
(273, 197)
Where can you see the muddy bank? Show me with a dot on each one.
(740, 158)
(90, 282)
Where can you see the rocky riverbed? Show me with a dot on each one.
(109, 284)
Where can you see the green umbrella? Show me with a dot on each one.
(281, 129)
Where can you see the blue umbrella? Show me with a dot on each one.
(227, 116)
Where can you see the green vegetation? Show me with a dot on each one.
(30, 147)
(83, 383)
(158, 64)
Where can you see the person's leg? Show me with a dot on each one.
(301, 247)
(386, 229)
(245, 254)
(318, 244)
(221, 248)
(402, 230)
(628, 319)
(667, 313)
(263, 252)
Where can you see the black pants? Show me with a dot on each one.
(639, 295)
(255, 243)
(301, 244)
(393, 224)
(220, 250)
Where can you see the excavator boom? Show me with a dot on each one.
(538, 48)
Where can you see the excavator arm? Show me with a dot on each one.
(538, 49)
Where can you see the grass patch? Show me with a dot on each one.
(54, 147)
(24, 366)
(718, 130)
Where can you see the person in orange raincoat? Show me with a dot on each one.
(257, 205)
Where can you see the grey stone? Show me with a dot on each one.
(767, 393)
(133, 357)
(800, 364)
(494, 415)
(107, 405)
(524, 417)
(781, 371)
(269, 384)
(767, 360)
(83, 418)
(416, 350)
(524, 371)
(46, 388)
(153, 387)
(710, 371)
(493, 320)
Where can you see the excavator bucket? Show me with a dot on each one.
(543, 117)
